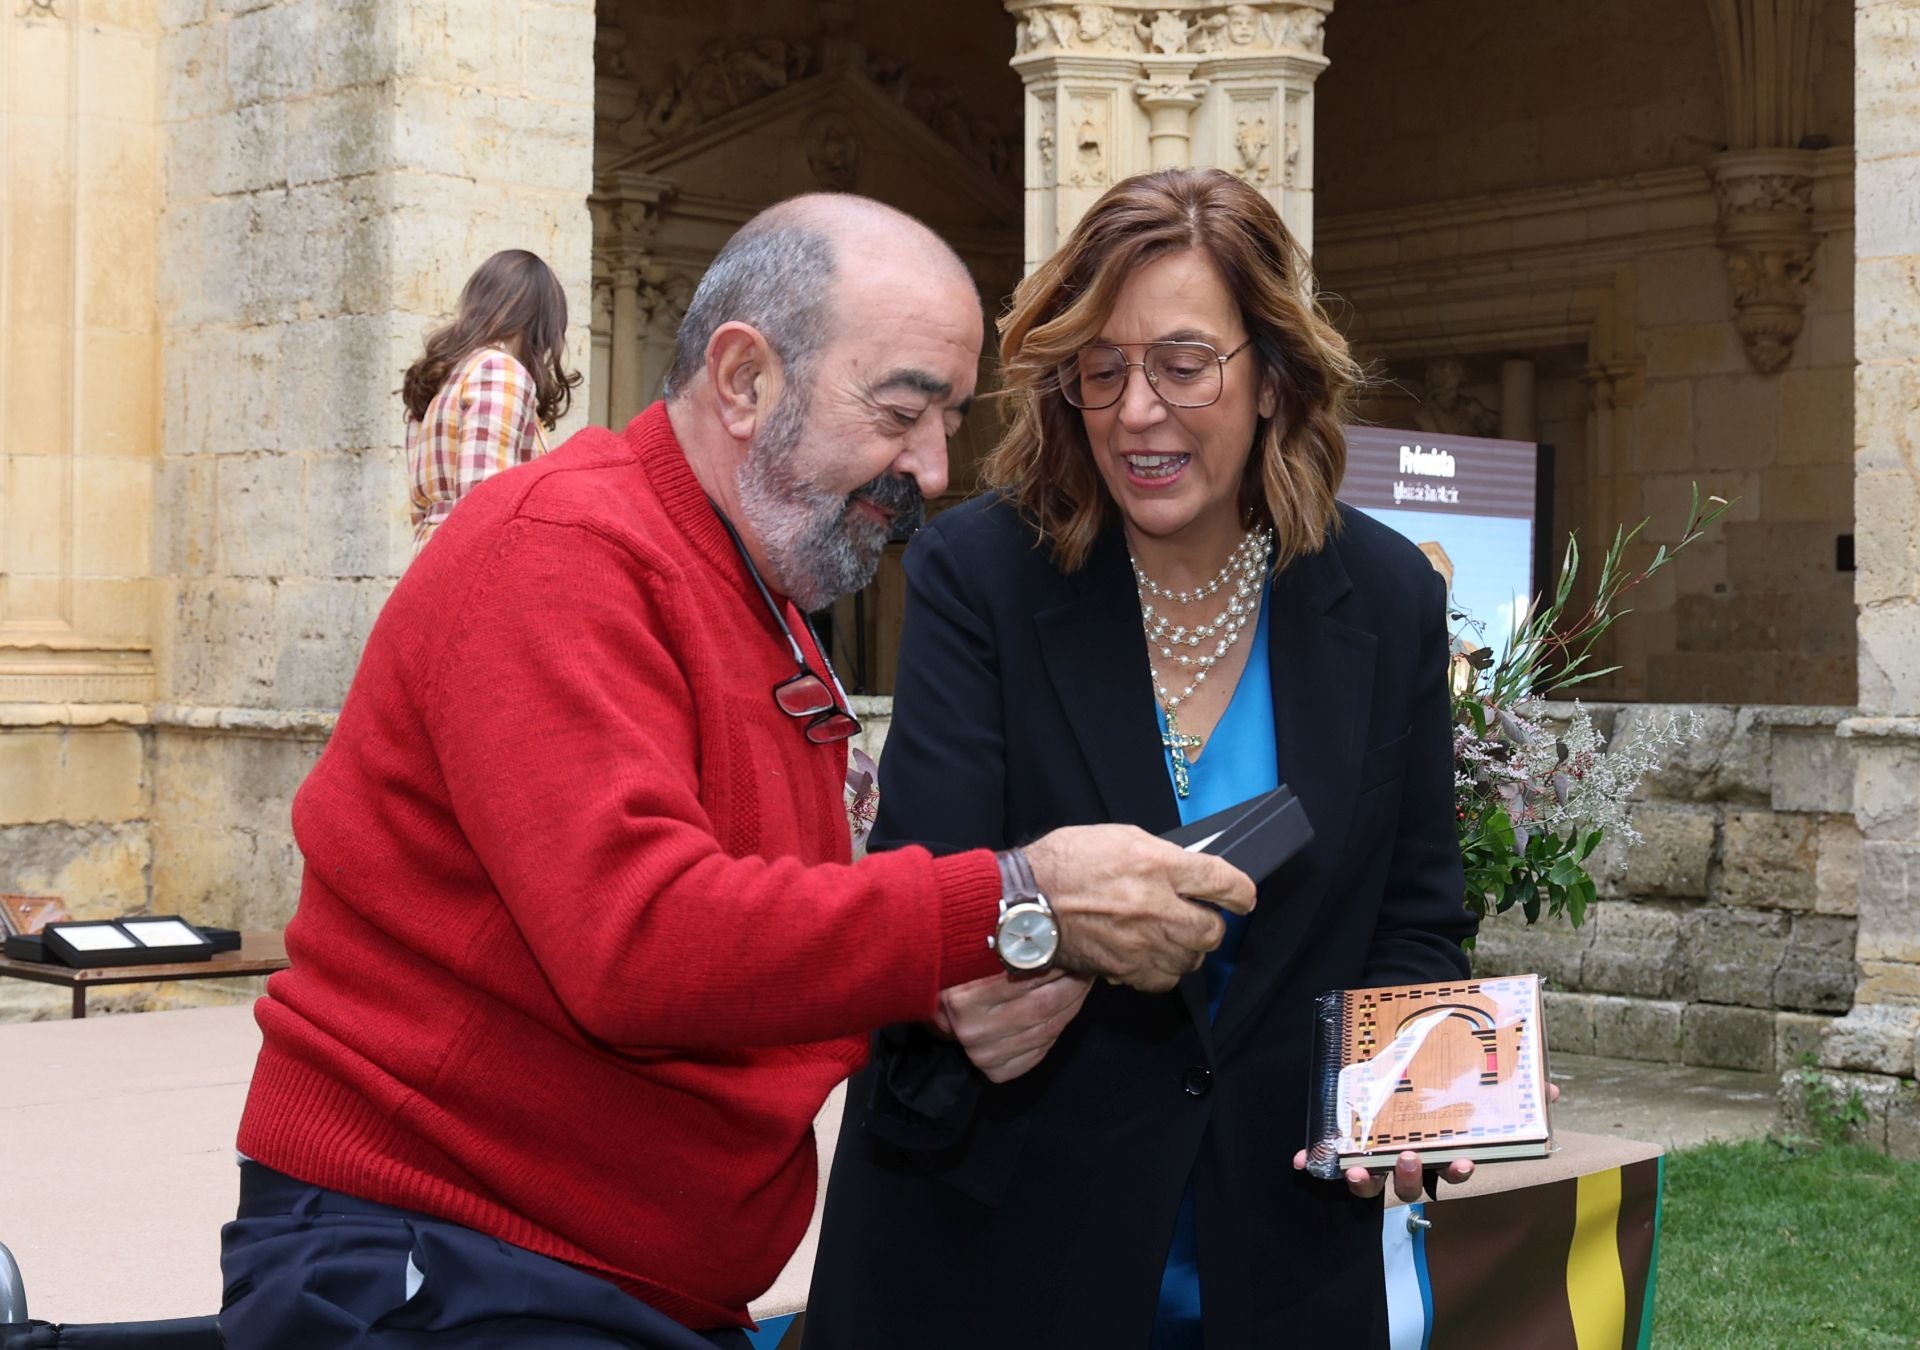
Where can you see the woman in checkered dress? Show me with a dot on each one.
(488, 383)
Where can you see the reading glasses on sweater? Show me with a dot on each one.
(820, 700)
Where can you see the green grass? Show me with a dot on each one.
(1779, 1247)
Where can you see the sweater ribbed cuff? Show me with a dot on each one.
(969, 886)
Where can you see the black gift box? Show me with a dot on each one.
(223, 939)
(145, 940)
(27, 947)
(1257, 835)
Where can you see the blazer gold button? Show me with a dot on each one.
(1197, 1081)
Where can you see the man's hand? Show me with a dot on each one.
(1007, 1023)
(1120, 896)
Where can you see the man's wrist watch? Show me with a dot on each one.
(1027, 937)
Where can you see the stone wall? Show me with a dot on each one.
(79, 361)
(1881, 1036)
(1433, 100)
(1588, 220)
(1726, 936)
(333, 172)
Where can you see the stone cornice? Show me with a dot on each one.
(1595, 223)
(277, 723)
(1881, 728)
(16, 715)
(1167, 27)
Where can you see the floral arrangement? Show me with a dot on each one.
(1533, 802)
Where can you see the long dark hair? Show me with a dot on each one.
(514, 301)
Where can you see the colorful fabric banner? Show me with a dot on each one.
(1568, 1265)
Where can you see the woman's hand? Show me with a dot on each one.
(1406, 1170)
(1405, 1174)
(1007, 1024)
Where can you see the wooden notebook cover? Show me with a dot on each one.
(1457, 1066)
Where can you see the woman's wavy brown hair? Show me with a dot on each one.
(1044, 464)
(512, 301)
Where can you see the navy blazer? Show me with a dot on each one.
(1038, 1213)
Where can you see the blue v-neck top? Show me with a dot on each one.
(1241, 759)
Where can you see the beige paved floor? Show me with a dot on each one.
(120, 1130)
(1668, 1104)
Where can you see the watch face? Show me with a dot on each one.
(1028, 937)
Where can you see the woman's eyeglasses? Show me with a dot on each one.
(806, 694)
(1183, 374)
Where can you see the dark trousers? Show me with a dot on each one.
(314, 1268)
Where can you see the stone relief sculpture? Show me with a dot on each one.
(833, 152)
(734, 72)
(1045, 143)
(1250, 145)
(1291, 174)
(1089, 143)
(1091, 22)
(1448, 409)
(1167, 33)
(1240, 26)
(1303, 28)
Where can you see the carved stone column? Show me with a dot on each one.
(623, 392)
(1117, 89)
(1765, 180)
(626, 214)
(600, 352)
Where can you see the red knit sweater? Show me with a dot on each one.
(579, 953)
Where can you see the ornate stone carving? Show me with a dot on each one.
(1250, 144)
(1169, 32)
(1046, 143)
(600, 311)
(942, 107)
(1302, 28)
(1766, 231)
(1089, 164)
(1075, 28)
(610, 55)
(1448, 409)
(664, 297)
(1290, 175)
(734, 72)
(833, 152)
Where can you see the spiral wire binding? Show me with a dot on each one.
(1332, 1015)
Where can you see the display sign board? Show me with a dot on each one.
(1470, 505)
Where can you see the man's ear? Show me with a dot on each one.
(745, 376)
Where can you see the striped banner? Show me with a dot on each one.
(1567, 1265)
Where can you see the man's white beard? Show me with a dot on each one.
(816, 545)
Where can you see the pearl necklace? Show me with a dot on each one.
(1246, 567)
(1253, 541)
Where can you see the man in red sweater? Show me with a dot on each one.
(581, 948)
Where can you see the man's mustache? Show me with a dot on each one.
(897, 495)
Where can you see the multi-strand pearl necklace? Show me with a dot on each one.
(1245, 568)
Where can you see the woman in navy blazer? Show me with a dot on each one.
(1054, 1164)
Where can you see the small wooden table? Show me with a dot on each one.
(259, 954)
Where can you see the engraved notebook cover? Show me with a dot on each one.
(28, 914)
(1449, 1070)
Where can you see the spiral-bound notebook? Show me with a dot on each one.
(1450, 1070)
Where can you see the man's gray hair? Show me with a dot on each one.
(775, 275)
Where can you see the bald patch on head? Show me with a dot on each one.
(881, 232)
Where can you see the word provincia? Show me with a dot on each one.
(1425, 464)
